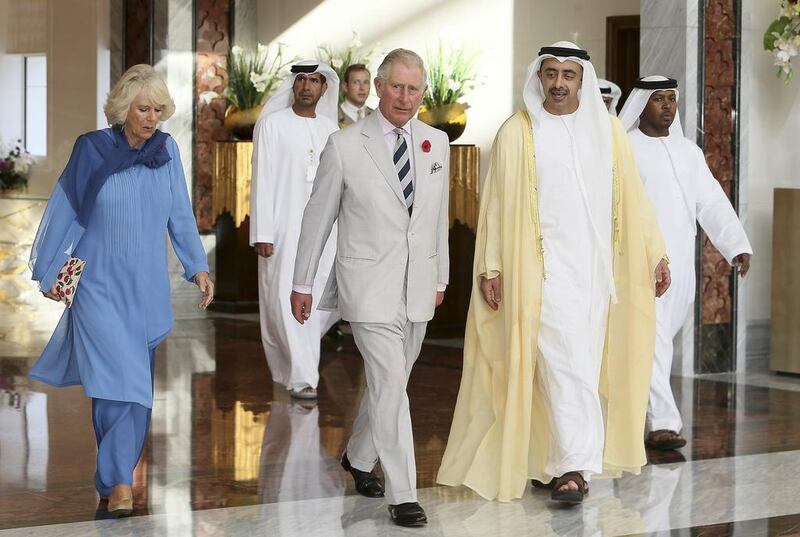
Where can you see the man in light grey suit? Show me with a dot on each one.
(385, 179)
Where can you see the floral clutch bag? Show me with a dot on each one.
(67, 280)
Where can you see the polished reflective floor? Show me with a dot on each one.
(232, 454)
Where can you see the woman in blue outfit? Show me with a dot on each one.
(122, 191)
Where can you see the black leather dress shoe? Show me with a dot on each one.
(367, 483)
(408, 514)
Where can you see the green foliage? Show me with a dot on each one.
(782, 38)
(450, 75)
(254, 75)
(774, 31)
(341, 58)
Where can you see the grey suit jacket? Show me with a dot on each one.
(381, 251)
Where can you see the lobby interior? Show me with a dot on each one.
(230, 452)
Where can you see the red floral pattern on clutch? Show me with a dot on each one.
(67, 280)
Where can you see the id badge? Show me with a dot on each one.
(311, 172)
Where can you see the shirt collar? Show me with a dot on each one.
(387, 127)
(350, 107)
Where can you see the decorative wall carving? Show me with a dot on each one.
(213, 43)
(720, 147)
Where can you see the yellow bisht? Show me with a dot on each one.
(500, 431)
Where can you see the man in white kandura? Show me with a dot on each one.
(385, 179)
(611, 94)
(683, 191)
(568, 261)
(287, 142)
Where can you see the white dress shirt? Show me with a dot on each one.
(354, 112)
(390, 137)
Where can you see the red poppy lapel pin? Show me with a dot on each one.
(426, 146)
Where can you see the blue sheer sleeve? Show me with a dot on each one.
(182, 225)
(59, 230)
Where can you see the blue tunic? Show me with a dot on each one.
(122, 306)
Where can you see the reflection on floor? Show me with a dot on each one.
(231, 454)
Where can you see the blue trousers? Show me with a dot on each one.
(121, 429)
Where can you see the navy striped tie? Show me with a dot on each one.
(403, 166)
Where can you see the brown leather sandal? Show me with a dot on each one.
(664, 440)
(570, 496)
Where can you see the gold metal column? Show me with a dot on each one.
(230, 181)
(465, 164)
(237, 264)
(451, 316)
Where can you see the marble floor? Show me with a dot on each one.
(231, 454)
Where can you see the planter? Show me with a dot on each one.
(241, 123)
(13, 192)
(450, 118)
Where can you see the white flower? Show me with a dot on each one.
(356, 42)
(259, 81)
(785, 50)
(262, 49)
(453, 85)
(207, 96)
(236, 50)
(21, 167)
(336, 63)
(22, 163)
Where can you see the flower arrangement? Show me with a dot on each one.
(14, 168)
(252, 75)
(782, 37)
(341, 59)
(450, 75)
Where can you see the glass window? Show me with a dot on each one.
(36, 105)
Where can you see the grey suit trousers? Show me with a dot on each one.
(382, 430)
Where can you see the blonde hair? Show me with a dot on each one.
(138, 79)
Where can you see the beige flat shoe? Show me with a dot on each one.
(120, 503)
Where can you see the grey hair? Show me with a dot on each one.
(139, 78)
(408, 57)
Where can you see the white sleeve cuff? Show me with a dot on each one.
(441, 287)
(302, 289)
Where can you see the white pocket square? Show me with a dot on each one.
(436, 167)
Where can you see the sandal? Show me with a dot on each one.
(304, 393)
(539, 485)
(570, 496)
(664, 440)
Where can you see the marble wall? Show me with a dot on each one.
(668, 46)
(245, 23)
(720, 145)
(175, 61)
(212, 30)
